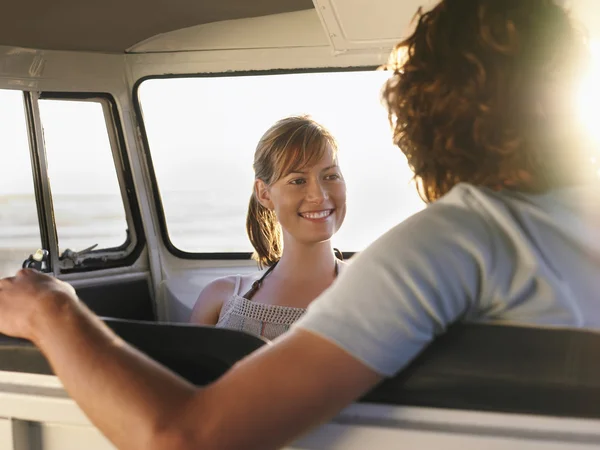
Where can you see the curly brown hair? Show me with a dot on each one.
(464, 96)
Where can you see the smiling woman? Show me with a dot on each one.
(297, 205)
(297, 182)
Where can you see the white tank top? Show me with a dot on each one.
(268, 321)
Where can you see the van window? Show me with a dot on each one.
(19, 225)
(202, 133)
(87, 200)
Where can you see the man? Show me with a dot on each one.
(483, 108)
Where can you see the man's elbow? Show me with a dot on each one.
(178, 431)
(177, 438)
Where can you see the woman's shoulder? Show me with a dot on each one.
(222, 286)
(213, 296)
(225, 287)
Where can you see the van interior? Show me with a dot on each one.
(122, 124)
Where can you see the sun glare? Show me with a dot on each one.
(589, 100)
(589, 95)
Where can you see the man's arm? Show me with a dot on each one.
(383, 309)
(263, 402)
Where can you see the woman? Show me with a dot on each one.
(298, 204)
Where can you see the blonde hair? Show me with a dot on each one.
(290, 144)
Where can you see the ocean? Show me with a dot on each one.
(203, 220)
(85, 220)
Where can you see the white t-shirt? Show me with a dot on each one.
(474, 255)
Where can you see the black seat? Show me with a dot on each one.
(199, 354)
(503, 369)
(473, 367)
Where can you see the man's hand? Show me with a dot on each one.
(31, 298)
(270, 398)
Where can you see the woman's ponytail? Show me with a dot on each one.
(264, 233)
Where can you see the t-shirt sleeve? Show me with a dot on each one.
(406, 288)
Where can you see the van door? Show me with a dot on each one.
(68, 201)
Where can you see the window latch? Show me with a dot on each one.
(73, 258)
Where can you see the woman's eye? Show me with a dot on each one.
(298, 181)
(333, 176)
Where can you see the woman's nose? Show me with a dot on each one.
(317, 193)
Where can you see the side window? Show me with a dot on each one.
(19, 225)
(202, 133)
(87, 200)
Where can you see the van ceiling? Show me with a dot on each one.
(113, 26)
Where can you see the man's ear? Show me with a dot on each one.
(261, 190)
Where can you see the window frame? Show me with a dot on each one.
(37, 154)
(158, 204)
(106, 258)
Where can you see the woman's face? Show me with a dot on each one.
(310, 204)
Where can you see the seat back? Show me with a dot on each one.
(503, 369)
(199, 354)
(471, 367)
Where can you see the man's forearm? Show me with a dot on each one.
(268, 398)
(129, 397)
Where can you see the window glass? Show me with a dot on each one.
(203, 132)
(87, 201)
(19, 226)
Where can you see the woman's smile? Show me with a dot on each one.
(317, 216)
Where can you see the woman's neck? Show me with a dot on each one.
(301, 261)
